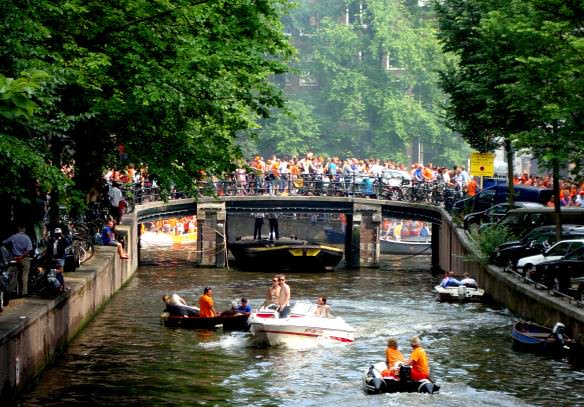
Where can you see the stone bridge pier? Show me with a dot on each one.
(211, 245)
(362, 247)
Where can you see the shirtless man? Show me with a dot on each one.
(273, 293)
(284, 297)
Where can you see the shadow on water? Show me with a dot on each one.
(126, 357)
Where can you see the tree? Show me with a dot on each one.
(367, 69)
(170, 82)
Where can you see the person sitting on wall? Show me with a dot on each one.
(449, 280)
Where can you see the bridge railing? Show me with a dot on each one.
(354, 185)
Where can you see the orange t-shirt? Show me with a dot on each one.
(206, 306)
(420, 361)
(392, 356)
(472, 188)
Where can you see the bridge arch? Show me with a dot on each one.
(363, 216)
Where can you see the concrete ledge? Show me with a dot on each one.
(521, 298)
(34, 330)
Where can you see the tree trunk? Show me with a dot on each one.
(556, 186)
(510, 185)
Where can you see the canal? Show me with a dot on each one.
(126, 357)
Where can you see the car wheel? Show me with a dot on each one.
(528, 271)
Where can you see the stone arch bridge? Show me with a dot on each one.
(362, 228)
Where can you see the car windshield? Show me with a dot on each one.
(559, 249)
(577, 254)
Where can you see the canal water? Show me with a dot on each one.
(126, 357)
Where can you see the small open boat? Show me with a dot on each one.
(236, 322)
(459, 294)
(536, 338)
(375, 383)
(284, 254)
(302, 328)
(413, 247)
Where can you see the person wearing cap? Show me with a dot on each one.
(243, 307)
(206, 304)
(57, 250)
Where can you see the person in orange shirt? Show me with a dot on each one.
(393, 357)
(472, 187)
(418, 360)
(206, 304)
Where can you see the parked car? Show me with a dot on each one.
(522, 220)
(497, 194)
(555, 252)
(495, 213)
(562, 273)
(534, 242)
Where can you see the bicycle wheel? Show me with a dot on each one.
(84, 248)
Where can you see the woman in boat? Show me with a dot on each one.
(418, 360)
(393, 358)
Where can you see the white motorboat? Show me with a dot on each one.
(460, 294)
(302, 328)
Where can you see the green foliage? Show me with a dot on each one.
(485, 242)
(173, 82)
(363, 103)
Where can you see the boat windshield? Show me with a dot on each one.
(303, 308)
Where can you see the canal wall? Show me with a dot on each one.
(525, 300)
(34, 330)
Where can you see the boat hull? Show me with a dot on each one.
(460, 294)
(531, 337)
(411, 247)
(276, 334)
(227, 323)
(301, 329)
(374, 383)
(285, 254)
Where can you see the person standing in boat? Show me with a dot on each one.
(393, 358)
(257, 228)
(273, 223)
(418, 360)
(284, 297)
(273, 293)
(206, 304)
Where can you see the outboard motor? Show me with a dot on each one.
(405, 373)
(373, 382)
(461, 292)
(558, 332)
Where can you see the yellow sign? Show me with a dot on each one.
(482, 164)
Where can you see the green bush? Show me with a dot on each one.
(486, 241)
